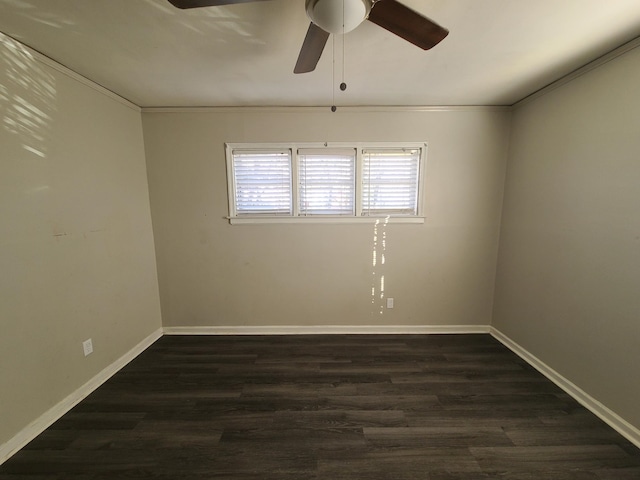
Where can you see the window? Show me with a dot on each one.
(327, 180)
(324, 183)
(390, 181)
(262, 182)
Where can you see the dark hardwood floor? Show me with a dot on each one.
(428, 407)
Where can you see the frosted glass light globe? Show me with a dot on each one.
(338, 16)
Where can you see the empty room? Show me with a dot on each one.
(321, 239)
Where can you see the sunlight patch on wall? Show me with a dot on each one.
(27, 96)
(378, 266)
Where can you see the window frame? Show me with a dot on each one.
(298, 164)
(265, 152)
(296, 216)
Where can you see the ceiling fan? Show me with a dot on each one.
(342, 16)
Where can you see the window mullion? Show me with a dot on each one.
(421, 179)
(295, 180)
(231, 181)
(359, 180)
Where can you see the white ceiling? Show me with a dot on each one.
(147, 51)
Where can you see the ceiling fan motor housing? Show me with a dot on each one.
(338, 16)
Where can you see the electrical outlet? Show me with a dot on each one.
(389, 302)
(87, 346)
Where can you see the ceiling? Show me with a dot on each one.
(147, 51)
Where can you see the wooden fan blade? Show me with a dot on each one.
(407, 23)
(206, 3)
(311, 49)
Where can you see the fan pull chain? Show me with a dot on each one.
(343, 85)
(333, 73)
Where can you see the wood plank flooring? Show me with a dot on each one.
(335, 407)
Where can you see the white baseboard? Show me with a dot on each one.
(36, 427)
(45, 420)
(611, 418)
(329, 330)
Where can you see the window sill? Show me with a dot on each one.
(322, 219)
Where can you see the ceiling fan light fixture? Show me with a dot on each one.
(338, 16)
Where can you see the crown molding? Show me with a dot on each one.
(326, 109)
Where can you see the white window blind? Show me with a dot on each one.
(262, 182)
(327, 181)
(390, 181)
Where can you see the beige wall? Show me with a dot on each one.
(215, 274)
(76, 245)
(568, 276)
(77, 252)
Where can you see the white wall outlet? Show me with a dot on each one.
(389, 302)
(87, 346)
